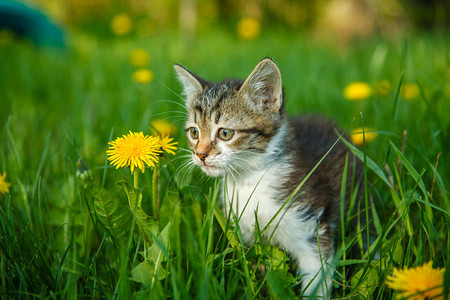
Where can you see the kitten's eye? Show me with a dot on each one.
(193, 132)
(226, 134)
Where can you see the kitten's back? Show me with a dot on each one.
(311, 138)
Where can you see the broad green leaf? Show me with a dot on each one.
(367, 284)
(279, 258)
(147, 225)
(146, 273)
(279, 287)
(143, 273)
(159, 251)
(113, 213)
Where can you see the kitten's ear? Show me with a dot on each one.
(263, 86)
(192, 84)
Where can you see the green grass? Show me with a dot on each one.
(64, 236)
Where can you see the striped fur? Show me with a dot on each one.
(265, 160)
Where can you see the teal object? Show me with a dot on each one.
(29, 23)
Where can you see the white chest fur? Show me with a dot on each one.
(257, 200)
(256, 195)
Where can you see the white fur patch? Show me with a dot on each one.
(258, 194)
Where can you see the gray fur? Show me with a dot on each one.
(265, 139)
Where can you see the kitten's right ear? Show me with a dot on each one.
(192, 84)
(263, 87)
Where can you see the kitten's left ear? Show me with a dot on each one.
(263, 86)
(192, 84)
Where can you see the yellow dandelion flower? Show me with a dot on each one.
(357, 136)
(143, 76)
(4, 186)
(358, 90)
(422, 282)
(167, 146)
(383, 87)
(163, 127)
(121, 24)
(134, 150)
(410, 91)
(248, 28)
(139, 58)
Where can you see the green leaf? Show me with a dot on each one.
(152, 269)
(146, 273)
(279, 258)
(367, 284)
(279, 287)
(113, 213)
(159, 251)
(143, 273)
(147, 225)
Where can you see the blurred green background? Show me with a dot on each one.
(110, 64)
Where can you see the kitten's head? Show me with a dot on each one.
(230, 123)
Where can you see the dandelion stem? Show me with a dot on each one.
(155, 192)
(136, 179)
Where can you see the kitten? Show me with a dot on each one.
(239, 130)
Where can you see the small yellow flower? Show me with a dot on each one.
(357, 136)
(139, 58)
(422, 282)
(143, 76)
(163, 127)
(4, 186)
(383, 87)
(248, 28)
(358, 90)
(167, 146)
(121, 24)
(410, 91)
(134, 150)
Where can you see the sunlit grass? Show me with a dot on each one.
(60, 106)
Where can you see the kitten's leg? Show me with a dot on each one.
(316, 274)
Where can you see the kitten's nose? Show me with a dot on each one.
(202, 156)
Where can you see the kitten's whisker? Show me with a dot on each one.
(185, 150)
(178, 158)
(171, 112)
(172, 91)
(234, 173)
(173, 119)
(185, 169)
(242, 164)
